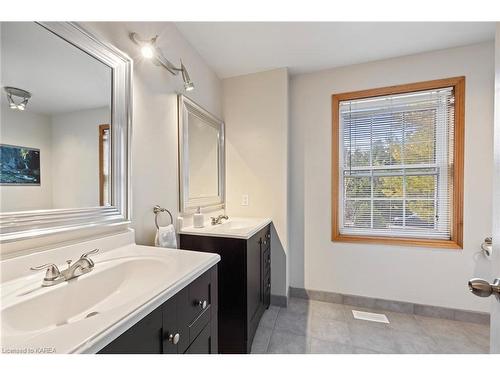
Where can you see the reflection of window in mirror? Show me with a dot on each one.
(104, 152)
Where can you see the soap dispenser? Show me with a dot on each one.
(198, 219)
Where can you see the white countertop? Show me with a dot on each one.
(235, 227)
(126, 284)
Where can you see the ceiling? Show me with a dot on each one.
(236, 48)
(61, 77)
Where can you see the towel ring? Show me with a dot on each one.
(157, 210)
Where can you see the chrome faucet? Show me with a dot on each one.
(218, 219)
(53, 276)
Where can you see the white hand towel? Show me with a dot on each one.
(165, 237)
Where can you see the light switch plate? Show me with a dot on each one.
(244, 200)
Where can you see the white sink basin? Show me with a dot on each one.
(237, 227)
(109, 284)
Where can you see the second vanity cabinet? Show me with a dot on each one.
(185, 324)
(244, 284)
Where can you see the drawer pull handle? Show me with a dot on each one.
(202, 304)
(174, 339)
(268, 260)
(268, 235)
(265, 242)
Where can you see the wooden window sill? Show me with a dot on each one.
(420, 242)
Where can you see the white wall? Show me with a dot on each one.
(154, 139)
(413, 274)
(256, 117)
(75, 157)
(30, 130)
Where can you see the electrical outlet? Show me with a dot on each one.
(244, 200)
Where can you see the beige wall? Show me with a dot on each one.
(420, 275)
(256, 117)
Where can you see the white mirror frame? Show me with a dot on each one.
(188, 205)
(15, 226)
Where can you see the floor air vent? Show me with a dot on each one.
(372, 317)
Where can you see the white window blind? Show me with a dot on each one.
(396, 165)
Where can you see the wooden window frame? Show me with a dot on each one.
(102, 129)
(456, 240)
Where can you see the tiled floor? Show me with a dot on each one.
(308, 326)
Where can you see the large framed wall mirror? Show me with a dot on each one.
(65, 130)
(201, 158)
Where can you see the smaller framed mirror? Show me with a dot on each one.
(201, 158)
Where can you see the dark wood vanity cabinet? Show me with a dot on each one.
(244, 284)
(186, 323)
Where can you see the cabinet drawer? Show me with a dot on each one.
(198, 299)
(199, 323)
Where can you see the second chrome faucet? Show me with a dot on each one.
(218, 219)
(53, 276)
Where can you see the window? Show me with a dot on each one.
(398, 164)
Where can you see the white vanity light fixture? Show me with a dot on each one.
(149, 50)
(21, 95)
